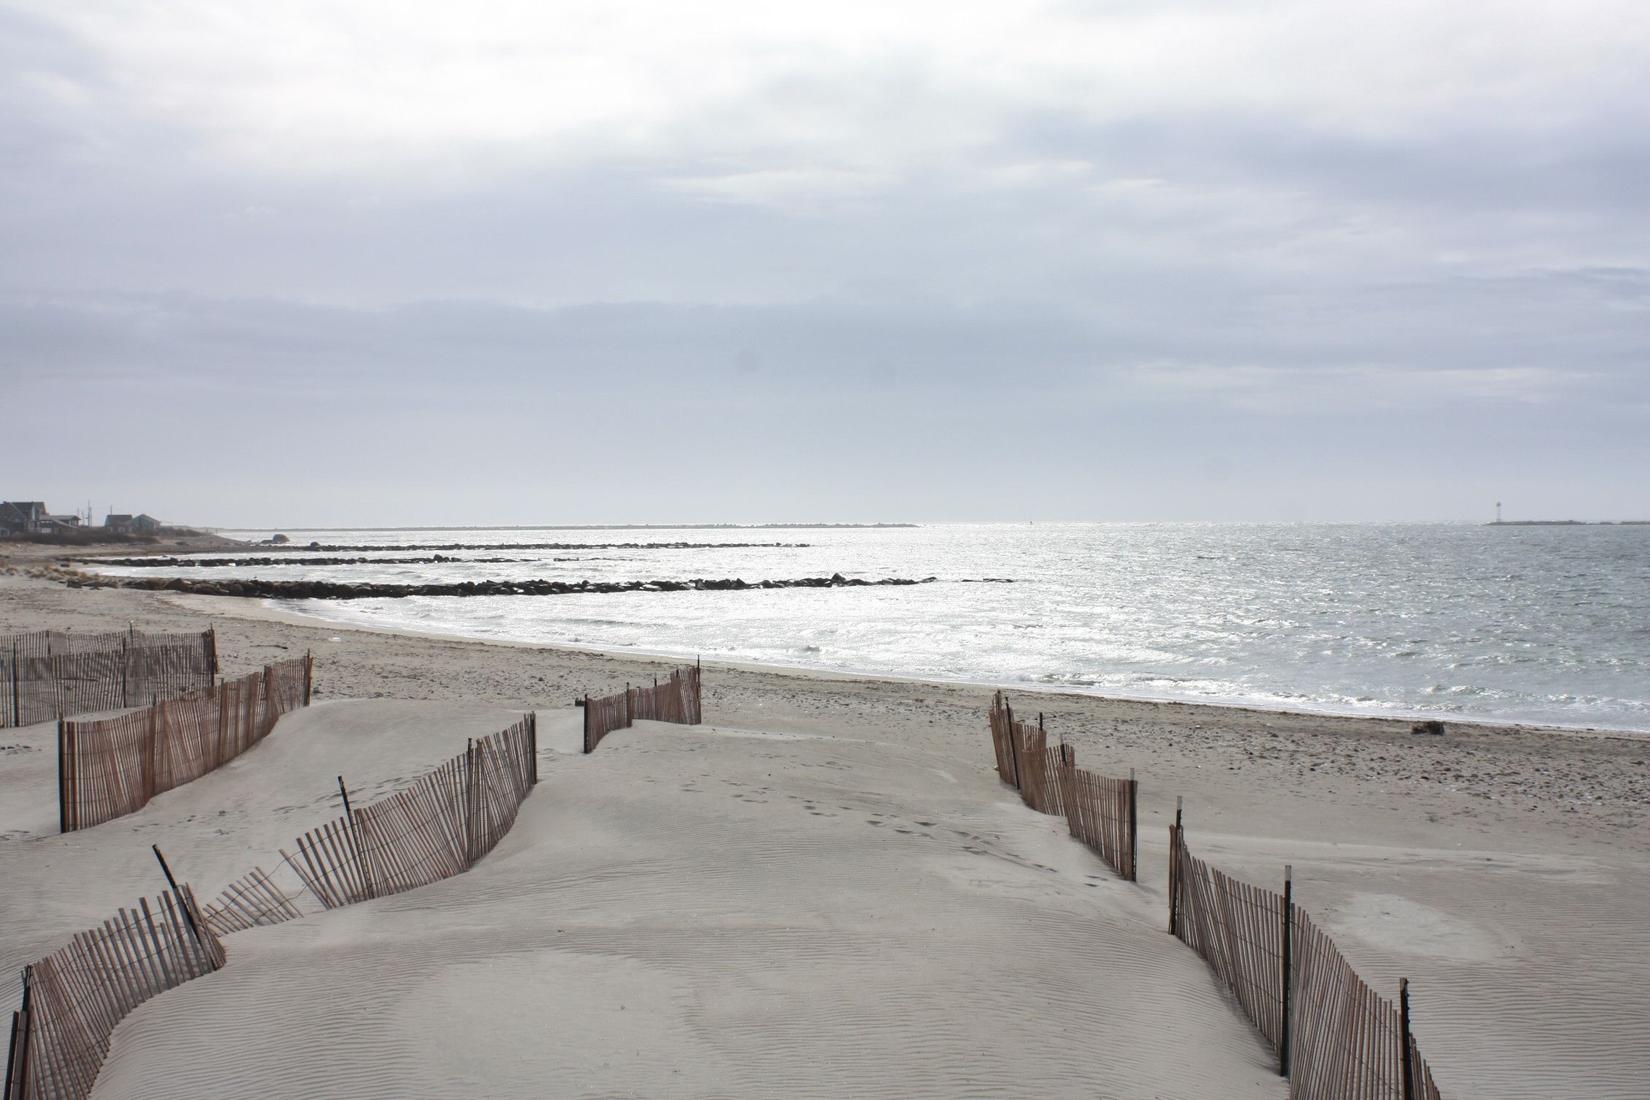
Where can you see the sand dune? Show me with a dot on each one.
(216, 827)
(1529, 971)
(689, 914)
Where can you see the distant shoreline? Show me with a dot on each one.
(1569, 523)
(588, 527)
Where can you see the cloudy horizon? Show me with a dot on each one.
(406, 264)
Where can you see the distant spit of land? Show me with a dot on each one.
(1569, 523)
(591, 527)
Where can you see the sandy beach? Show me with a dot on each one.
(825, 890)
(878, 551)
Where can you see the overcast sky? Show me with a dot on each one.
(312, 263)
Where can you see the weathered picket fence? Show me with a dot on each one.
(437, 827)
(74, 997)
(1334, 1037)
(48, 674)
(113, 766)
(1099, 810)
(674, 699)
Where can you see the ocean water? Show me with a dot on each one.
(1536, 624)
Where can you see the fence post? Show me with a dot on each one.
(1013, 742)
(151, 742)
(533, 746)
(355, 839)
(16, 695)
(125, 663)
(17, 1051)
(183, 905)
(587, 723)
(1134, 831)
(62, 776)
(1403, 1017)
(11, 1054)
(469, 802)
(1288, 964)
(212, 649)
(263, 727)
(1174, 867)
(309, 675)
(28, 1031)
(223, 717)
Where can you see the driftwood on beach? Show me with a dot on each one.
(255, 588)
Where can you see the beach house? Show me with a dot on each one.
(124, 524)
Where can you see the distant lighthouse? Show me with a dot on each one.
(1498, 511)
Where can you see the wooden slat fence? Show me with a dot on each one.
(1238, 929)
(1023, 752)
(250, 901)
(74, 997)
(1099, 810)
(1350, 1040)
(48, 674)
(438, 827)
(1003, 740)
(675, 699)
(113, 766)
(1334, 1037)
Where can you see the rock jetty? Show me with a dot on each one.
(332, 590)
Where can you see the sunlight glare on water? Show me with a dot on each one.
(1517, 623)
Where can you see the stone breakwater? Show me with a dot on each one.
(332, 590)
(219, 563)
(322, 548)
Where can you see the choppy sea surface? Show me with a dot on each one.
(1533, 624)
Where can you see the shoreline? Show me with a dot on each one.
(260, 610)
(56, 565)
(1554, 785)
(1602, 716)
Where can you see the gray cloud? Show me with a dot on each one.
(874, 269)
